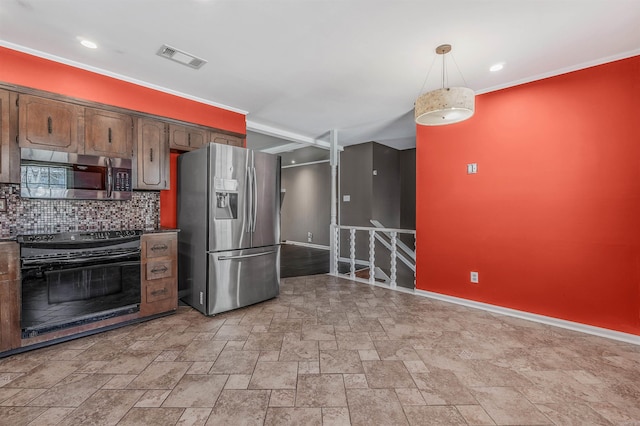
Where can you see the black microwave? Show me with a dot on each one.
(63, 175)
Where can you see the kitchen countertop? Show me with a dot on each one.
(159, 230)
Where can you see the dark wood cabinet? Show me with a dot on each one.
(49, 124)
(9, 150)
(225, 139)
(108, 133)
(187, 138)
(88, 128)
(159, 270)
(9, 300)
(151, 169)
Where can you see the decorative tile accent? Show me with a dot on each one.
(29, 216)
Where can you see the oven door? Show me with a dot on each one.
(58, 294)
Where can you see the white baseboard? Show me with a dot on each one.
(569, 325)
(297, 243)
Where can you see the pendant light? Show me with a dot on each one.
(447, 105)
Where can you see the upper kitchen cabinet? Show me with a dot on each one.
(186, 138)
(225, 139)
(49, 124)
(108, 133)
(9, 151)
(151, 169)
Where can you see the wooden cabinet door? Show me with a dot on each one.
(152, 150)
(198, 138)
(9, 300)
(186, 138)
(225, 139)
(108, 133)
(178, 137)
(9, 151)
(4, 136)
(48, 124)
(159, 275)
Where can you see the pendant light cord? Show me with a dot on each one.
(459, 72)
(427, 77)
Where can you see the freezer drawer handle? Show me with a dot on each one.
(245, 256)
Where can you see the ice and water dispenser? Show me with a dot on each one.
(226, 206)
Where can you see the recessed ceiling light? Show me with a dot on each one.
(89, 44)
(497, 67)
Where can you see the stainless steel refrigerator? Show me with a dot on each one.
(229, 220)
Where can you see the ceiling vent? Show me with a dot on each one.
(181, 57)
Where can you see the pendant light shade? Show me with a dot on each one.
(447, 105)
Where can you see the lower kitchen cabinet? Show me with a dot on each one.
(159, 292)
(9, 300)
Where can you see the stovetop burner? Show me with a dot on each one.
(78, 236)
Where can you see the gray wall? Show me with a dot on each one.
(356, 165)
(407, 188)
(307, 203)
(372, 196)
(385, 206)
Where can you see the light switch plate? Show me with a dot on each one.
(472, 168)
(346, 198)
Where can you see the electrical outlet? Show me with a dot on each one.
(309, 237)
(474, 277)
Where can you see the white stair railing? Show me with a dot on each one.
(402, 246)
(374, 234)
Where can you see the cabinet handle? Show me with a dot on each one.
(49, 125)
(159, 247)
(189, 139)
(109, 134)
(151, 155)
(159, 270)
(159, 292)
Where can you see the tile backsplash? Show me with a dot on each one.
(28, 216)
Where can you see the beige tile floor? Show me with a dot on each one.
(327, 351)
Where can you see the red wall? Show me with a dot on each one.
(30, 71)
(552, 219)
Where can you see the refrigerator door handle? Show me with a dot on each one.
(246, 255)
(255, 200)
(248, 208)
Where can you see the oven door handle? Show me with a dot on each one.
(35, 262)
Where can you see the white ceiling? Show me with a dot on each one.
(300, 68)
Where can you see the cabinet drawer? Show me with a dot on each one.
(159, 246)
(160, 290)
(159, 269)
